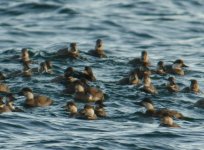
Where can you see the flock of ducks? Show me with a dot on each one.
(77, 84)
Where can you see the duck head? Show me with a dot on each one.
(194, 85)
(147, 103)
(73, 47)
(144, 57)
(99, 45)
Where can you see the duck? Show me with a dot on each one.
(10, 103)
(142, 61)
(98, 51)
(88, 112)
(132, 79)
(160, 69)
(148, 87)
(66, 53)
(72, 108)
(46, 67)
(176, 67)
(87, 93)
(3, 107)
(167, 121)
(25, 57)
(194, 87)
(68, 72)
(99, 109)
(35, 100)
(151, 111)
(88, 74)
(73, 52)
(171, 85)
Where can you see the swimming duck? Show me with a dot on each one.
(73, 52)
(160, 68)
(171, 85)
(167, 121)
(88, 112)
(132, 79)
(194, 87)
(25, 57)
(72, 108)
(46, 67)
(4, 88)
(87, 94)
(10, 103)
(69, 72)
(99, 109)
(88, 74)
(98, 51)
(151, 111)
(3, 107)
(35, 100)
(148, 87)
(176, 67)
(142, 61)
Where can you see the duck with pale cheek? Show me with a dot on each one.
(132, 79)
(99, 50)
(87, 93)
(66, 53)
(73, 52)
(167, 121)
(35, 100)
(151, 111)
(176, 67)
(9, 105)
(193, 88)
(142, 61)
(25, 57)
(148, 87)
(71, 107)
(171, 85)
(46, 67)
(88, 113)
(4, 107)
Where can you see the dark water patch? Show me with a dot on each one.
(36, 7)
(67, 11)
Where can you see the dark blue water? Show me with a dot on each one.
(168, 30)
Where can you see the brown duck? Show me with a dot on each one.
(35, 100)
(98, 51)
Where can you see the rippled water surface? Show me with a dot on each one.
(168, 30)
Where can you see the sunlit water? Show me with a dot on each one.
(168, 30)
